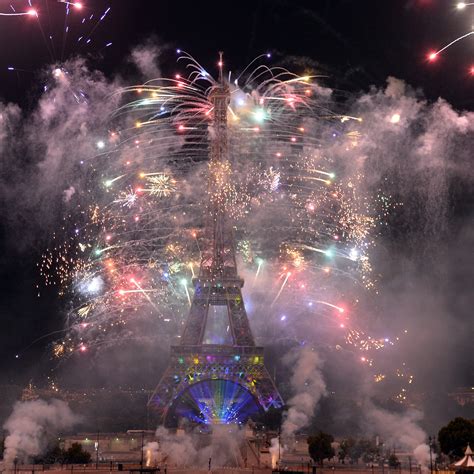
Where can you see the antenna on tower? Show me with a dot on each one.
(221, 65)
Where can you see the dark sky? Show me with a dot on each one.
(356, 43)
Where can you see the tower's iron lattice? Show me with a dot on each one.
(217, 373)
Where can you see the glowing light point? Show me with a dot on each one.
(184, 282)
(283, 318)
(259, 115)
(269, 55)
(395, 118)
(461, 6)
(78, 5)
(432, 56)
(32, 12)
(178, 51)
(100, 144)
(354, 254)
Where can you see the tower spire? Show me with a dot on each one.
(218, 257)
(221, 67)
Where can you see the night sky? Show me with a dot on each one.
(355, 43)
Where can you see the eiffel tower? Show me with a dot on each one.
(217, 373)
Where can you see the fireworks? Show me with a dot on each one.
(433, 55)
(30, 12)
(304, 225)
(159, 184)
(57, 41)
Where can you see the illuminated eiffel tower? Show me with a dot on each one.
(217, 373)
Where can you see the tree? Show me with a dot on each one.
(319, 447)
(366, 449)
(393, 460)
(54, 455)
(76, 455)
(455, 436)
(346, 449)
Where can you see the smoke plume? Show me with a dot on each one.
(32, 425)
(182, 449)
(401, 430)
(308, 384)
(276, 451)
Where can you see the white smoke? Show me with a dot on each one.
(276, 451)
(151, 451)
(145, 58)
(308, 384)
(69, 193)
(182, 449)
(178, 449)
(32, 425)
(400, 429)
(422, 455)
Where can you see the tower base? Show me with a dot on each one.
(214, 384)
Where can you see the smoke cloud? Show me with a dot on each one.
(222, 448)
(32, 425)
(276, 451)
(401, 430)
(418, 152)
(308, 385)
(146, 57)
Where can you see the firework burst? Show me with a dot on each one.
(304, 224)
